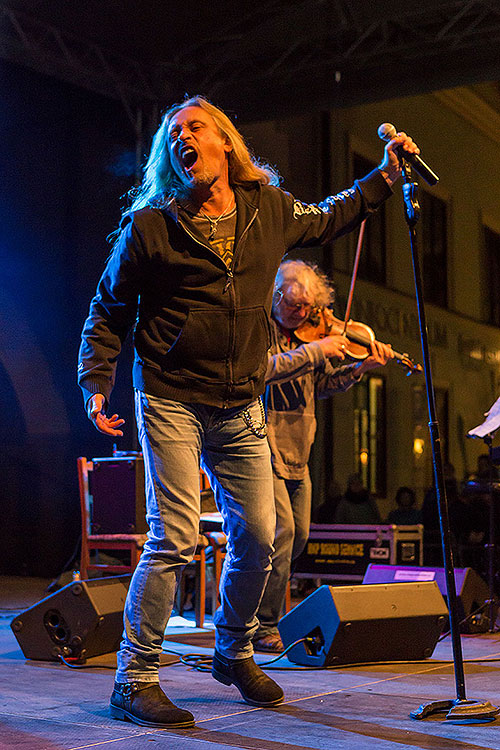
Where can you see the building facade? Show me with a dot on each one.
(380, 428)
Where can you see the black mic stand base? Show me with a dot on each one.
(458, 710)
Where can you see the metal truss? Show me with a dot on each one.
(320, 36)
(274, 43)
(47, 49)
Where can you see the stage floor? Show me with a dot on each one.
(47, 706)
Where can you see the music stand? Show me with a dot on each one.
(486, 431)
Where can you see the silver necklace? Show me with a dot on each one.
(214, 221)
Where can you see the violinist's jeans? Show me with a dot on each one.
(293, 518)
(174, 437)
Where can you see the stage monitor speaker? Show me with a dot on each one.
(355, 624)
(83, 619)
(472, 592)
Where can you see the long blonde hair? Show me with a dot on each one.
(160, 181)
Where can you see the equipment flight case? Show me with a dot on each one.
(342, 552)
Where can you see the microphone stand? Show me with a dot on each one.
(458, 708)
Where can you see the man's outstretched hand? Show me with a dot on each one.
(107, 425)
(391, 163)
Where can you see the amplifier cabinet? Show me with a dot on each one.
(118, 498)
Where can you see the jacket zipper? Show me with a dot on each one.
(230, 277)
(229, 286)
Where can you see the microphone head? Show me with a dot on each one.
(386, 131)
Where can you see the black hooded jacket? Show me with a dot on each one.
(201, 329)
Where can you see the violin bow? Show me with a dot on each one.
(354, 275)
(402, 359)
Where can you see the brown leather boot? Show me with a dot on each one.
(255, 687)
(270, 643)
(145, 703)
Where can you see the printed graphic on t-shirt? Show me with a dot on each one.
(224, 247)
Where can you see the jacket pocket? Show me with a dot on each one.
(201, 347)
(252, 339)
(220, 345)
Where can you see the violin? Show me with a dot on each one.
(322, 322)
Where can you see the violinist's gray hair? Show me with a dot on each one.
(297, 277)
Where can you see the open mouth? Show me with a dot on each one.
(188, 157)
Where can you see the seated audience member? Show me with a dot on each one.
(430, 516)
(485, 472)
(430, 510)
(357, 505)
(469, 524)
(406, 514)
(325, 513)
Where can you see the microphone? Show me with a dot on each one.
(387, 132)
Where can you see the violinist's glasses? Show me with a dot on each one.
(298, 306)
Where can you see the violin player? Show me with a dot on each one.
(299, 373)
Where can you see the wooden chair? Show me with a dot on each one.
(200, 577)
(131, 543)
(217, 541)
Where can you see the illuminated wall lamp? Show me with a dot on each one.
(418, 446)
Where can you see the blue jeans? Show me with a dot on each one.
(293, 517)
(175, 437)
